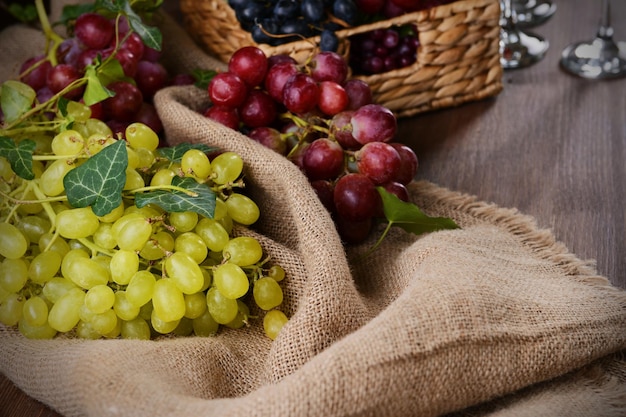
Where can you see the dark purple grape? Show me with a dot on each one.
(312, 10)
(329, 41)
(346, 10)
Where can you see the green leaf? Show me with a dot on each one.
(99, 181)
(151, 36)
(95, 90)
(24, 13)
(20, 157)
(178, 201)
(16, 98)
(409, 217)
(72, 11)
(203, 77)
(175, 153)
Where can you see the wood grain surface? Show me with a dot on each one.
(551, 145)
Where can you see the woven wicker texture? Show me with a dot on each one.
(457, 61)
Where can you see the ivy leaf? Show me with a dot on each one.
(175, 153)
(95, 90)
(203, 77)
(16, 98)
(99, 181)
(177, 201)
(409, 217)
(24, 13)
(20, 156)
(151, 36)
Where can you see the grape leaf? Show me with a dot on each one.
(99, 181)
(409, 217)
(20, 156)
(175, 153)
(24, 13)
(177, 201)
(16, 98)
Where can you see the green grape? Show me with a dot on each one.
(242, 209)
(77, 223)
(68, 142)
(226, 167)
(124, 308)
(205, 325)
(183, 221)
(221, 211)
(124, 264)
(36, 332)
(276, 272)
(243, 251)
(51, 181)
(11, 309)
(162, 177)
(42, 142)
(104, 323)
(242, 316)
(98, 141)
(6, 172)
(100, 298)
(35, 311)
(134, 180)
(157, 246)
(4, 294)
(63, 315)
(227, 224)
(140, 288)
(267, 293)
(273, 323)
(85, 330)
(195, 305)
(86, 272)
(184, 272)
(208, 278)
(213, 234)
(44, 266)
(113, 215)
(98, 127)
(146, 157)
(224, 310)
(162, 326)
(13, 243)
(33, 227)
(134, 234)
(145, 312)
(140, 135)
(50, 242)
(122, 220)
(56, 288)
(231, 280)
(13, 274)
(85, 314)
(77, 244)
(70, 258)
(195, 163)
(78, 111)
(133, 158)
(29, 208)
(193, 245)
(103, 237)
(117, 330)
(184, 328)
(136, 328)
(168, 301)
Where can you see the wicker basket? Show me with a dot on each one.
(457, 61)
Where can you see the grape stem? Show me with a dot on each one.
(164, 187)
(51, 37)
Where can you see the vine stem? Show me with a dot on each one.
(51, 36)
(165, 187)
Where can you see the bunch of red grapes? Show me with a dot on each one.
(95, 36)
(323, 122)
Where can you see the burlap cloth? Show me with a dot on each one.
(494, 319)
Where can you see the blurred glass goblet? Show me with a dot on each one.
(533, 12)
(518, 49)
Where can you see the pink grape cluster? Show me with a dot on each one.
(323, 122)
(95, 36)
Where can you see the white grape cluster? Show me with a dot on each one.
(135, 272)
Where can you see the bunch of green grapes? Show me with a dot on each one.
(138, 270)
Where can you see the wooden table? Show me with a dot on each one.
(551, 145)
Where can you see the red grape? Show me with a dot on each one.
(125, 103)
(323, 160)
(373, 123)
(94, 30)
(269, 137)
(333, 98)
(258, 109)
(34, 71)
(224, 115)
(249, 63)
(277, 77)
(61, 76)
(379, 161)
(228, 90)
(356, 198)
(408, 165)
(329, 66)
(301, 93)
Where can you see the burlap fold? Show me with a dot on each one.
(493, 319)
